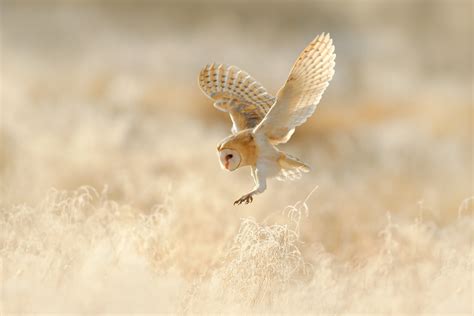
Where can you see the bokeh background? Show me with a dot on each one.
(112, 198)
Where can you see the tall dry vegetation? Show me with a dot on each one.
(112, 199)
(80, 251)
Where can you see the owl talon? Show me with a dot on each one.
(248, 198)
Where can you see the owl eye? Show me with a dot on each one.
(229, 156)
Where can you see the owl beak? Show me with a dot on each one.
(226, 165)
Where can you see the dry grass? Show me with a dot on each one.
(79, 251)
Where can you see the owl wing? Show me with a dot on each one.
(236, 92)
(298, 98)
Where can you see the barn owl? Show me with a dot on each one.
(262, 121)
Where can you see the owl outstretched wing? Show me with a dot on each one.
(236, 92)
(298, 98)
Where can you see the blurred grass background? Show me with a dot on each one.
(105, 94)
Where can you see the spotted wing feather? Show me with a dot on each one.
(236, 92)
(298, 98)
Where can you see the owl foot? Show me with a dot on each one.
(247, 198)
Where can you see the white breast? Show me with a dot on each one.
(267, 160)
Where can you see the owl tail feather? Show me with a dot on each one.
(291, 167)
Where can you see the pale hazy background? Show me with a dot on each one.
(99, 100)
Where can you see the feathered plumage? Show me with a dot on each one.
(261, 121)
(236, 92)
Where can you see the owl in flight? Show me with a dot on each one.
(262, 121)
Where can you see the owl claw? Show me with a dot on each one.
(247, 198)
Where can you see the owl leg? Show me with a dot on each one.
(254, 175)
(260, 186)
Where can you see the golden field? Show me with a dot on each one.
(112, 198)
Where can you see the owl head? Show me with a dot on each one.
(237, 150)
(230, 159)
